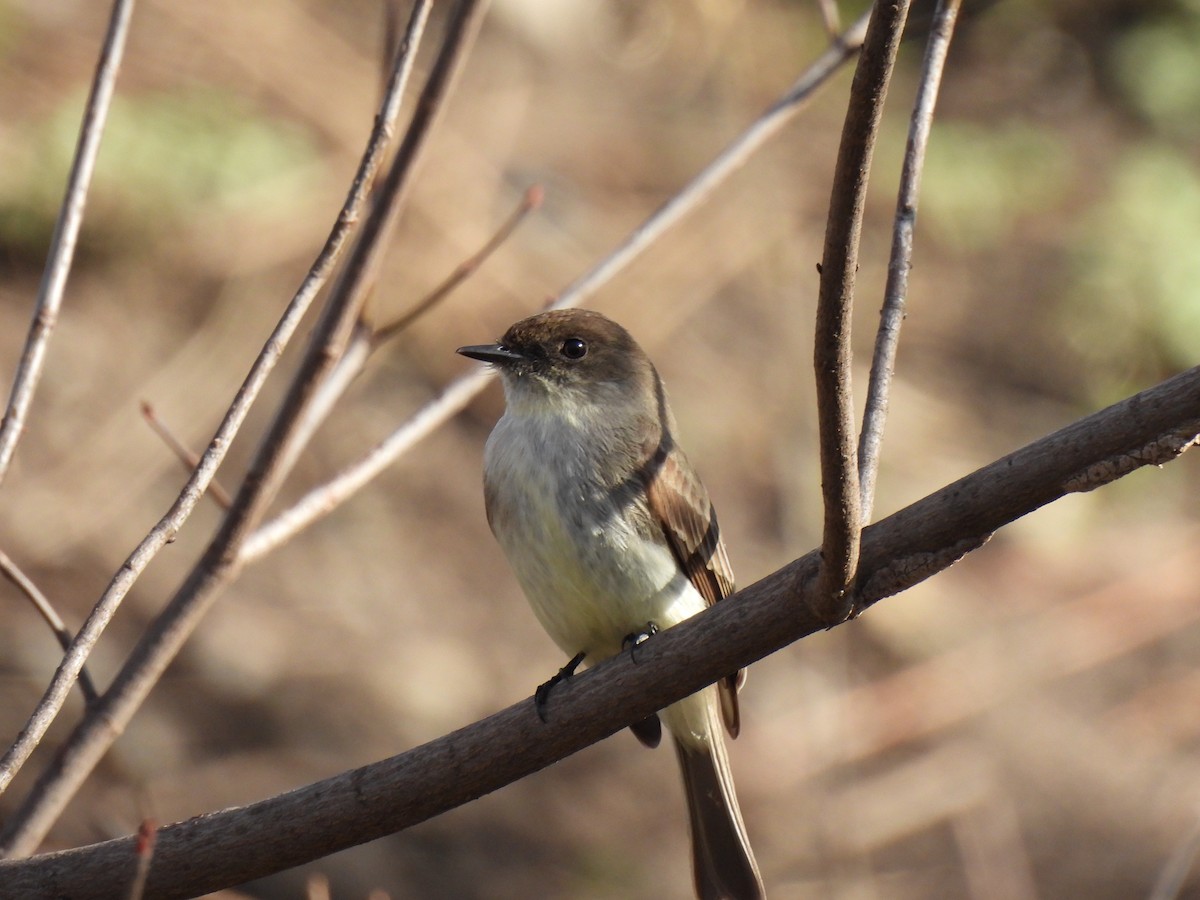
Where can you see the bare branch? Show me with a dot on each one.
(235, 845)
(887, 338)
(322, 500)
(835, 302)
(183, 453)
(143, 849)
(220, 563)
(66, 234)
(193, 490)
(45, 608)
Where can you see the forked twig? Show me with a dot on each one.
(832, 353)
(26, 586)
(322, 500)
(264, 364)
(830, 16)
(183, 453)
(887, 338)
(66, 234)
(147, 838)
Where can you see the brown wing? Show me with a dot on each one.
(679, 502)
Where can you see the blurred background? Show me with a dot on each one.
(1024, 725)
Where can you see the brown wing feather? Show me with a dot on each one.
(679, 502)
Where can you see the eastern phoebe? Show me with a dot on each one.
(612, 537)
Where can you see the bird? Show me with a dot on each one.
(612, 537)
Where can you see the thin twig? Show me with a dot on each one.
(194, 489)
(364, 341)
(1174, 873)
(319, 502)
(233, 846)
(322, 500)
(183, 453)
(26, 586)
(830, 16)
(66, 234)
(219, 563)
(531, 200)
(887, 338)
(143, 849)
(832, 354)
(728, 161)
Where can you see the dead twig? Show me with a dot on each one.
(143, 849)
(830, 16)
(183, 453)
(530, 200)
(26, 586)
(364, 340)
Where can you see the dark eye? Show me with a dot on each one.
(573, 348)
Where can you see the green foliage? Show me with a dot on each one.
(163, 157)
(1136, 295)
(1157, 64)
(980, 179)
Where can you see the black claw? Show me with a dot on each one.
(542, 695)
(631, 641)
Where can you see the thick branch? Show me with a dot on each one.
(236, 845)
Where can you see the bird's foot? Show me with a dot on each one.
(542, 695)
(631, 641)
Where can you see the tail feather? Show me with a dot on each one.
(722, 862)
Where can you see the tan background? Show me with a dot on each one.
(1024, 725)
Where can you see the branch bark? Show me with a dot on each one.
(832, 355)
(235, 845)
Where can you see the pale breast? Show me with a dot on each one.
(589, 565)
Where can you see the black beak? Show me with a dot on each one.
(490, 353)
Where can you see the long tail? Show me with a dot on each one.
(722, 862)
